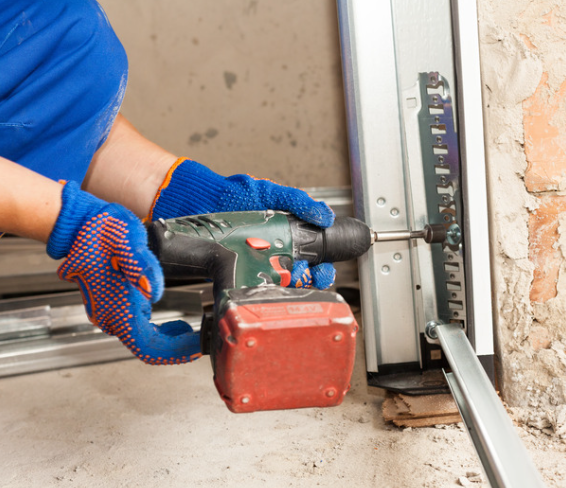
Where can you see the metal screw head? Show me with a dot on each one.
(385, 269)
(338, 337)
(330, 393)
(245, 399)
(397, 257)
(381, 201)
(454, 234)
(279, 243)
(430, 329)
(250, 342)
(394, 212)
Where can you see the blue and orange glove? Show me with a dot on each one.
(191, 188)
(105, 246)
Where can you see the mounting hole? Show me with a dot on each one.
(418, 287)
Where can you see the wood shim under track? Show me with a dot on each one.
(420, 411)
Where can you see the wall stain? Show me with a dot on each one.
(251, 7)
(197, 137)
(230, 79)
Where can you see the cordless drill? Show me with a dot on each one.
(271, 347)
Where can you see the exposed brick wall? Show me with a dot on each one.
(545, 149)
(523, 56)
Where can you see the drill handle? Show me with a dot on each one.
(185, 256)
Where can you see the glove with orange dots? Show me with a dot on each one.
(106, 251)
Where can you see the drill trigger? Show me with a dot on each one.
(285, 274)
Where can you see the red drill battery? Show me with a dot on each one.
(279, 348)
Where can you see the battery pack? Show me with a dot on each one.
(280, 348)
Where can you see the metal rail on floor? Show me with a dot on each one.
(52, 331)
(502, 454)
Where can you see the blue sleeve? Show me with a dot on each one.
(63, 75)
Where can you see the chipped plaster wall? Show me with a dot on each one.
(250, 86)
(523, 56)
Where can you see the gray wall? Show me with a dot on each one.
(243, 86)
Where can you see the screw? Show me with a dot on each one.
(397, 257)
(430, 329)
(250, 343)
(246, 399)
(338, 337)
(394, 212)
(330, 393)
(385, 269)
(381, 201)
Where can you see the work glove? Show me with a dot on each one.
(105, 246)
(191, 189)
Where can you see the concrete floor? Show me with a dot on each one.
(125, 424)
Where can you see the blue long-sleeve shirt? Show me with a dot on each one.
(63, 75)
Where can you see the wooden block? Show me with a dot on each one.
(428, 421)
(420, 411)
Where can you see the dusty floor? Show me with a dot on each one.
(126, 424)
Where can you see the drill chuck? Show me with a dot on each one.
(347, 239)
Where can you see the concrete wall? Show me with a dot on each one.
(523, 49)
(243, 86)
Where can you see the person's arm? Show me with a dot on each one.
(153, 183)
(128, 168)
(29, 203)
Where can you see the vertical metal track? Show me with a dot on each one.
(502, 454)
(404, 161)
